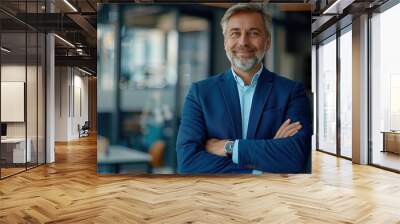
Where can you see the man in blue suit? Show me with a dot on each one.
(247, 119)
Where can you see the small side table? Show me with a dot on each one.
(391, 141)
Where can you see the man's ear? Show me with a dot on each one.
(268, 44)
(224, 42)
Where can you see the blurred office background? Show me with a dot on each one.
(148, 56)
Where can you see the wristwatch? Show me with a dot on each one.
(228, 148)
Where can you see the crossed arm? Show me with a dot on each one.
(285, 153)
(192, 156)
(287, 129)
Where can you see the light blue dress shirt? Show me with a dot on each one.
(246, 93)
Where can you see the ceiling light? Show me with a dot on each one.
(64, 40)
(5, 49)
(70, 5)
(331, 7)
(338, 6)
(84, 71)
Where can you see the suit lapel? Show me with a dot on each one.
(230, 94)
(260, 98)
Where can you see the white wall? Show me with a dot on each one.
(12, 100)
(80, 84)
(62, 81)
(12, 73)
(70, 84)
(33, 126)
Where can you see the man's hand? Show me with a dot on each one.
(287, 129)
(216, 146)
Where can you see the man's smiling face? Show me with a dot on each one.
(246, 40)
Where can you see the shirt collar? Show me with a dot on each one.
(253, 80)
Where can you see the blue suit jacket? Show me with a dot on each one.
(212, 110)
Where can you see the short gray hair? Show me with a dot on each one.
(246, 7)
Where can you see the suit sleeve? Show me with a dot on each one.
(192, 157)
(285, 155)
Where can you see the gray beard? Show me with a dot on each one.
(245, 64)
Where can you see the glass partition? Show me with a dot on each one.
(31, 97)
(15, 151)
(22, 87)
(41, 107)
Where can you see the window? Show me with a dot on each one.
(385, 88)
(346, 93)
(327, 96)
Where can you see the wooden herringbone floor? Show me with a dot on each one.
(70, 191)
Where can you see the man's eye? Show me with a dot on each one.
(255, 33)
(235, 34)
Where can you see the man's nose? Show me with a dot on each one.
(244, 40)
